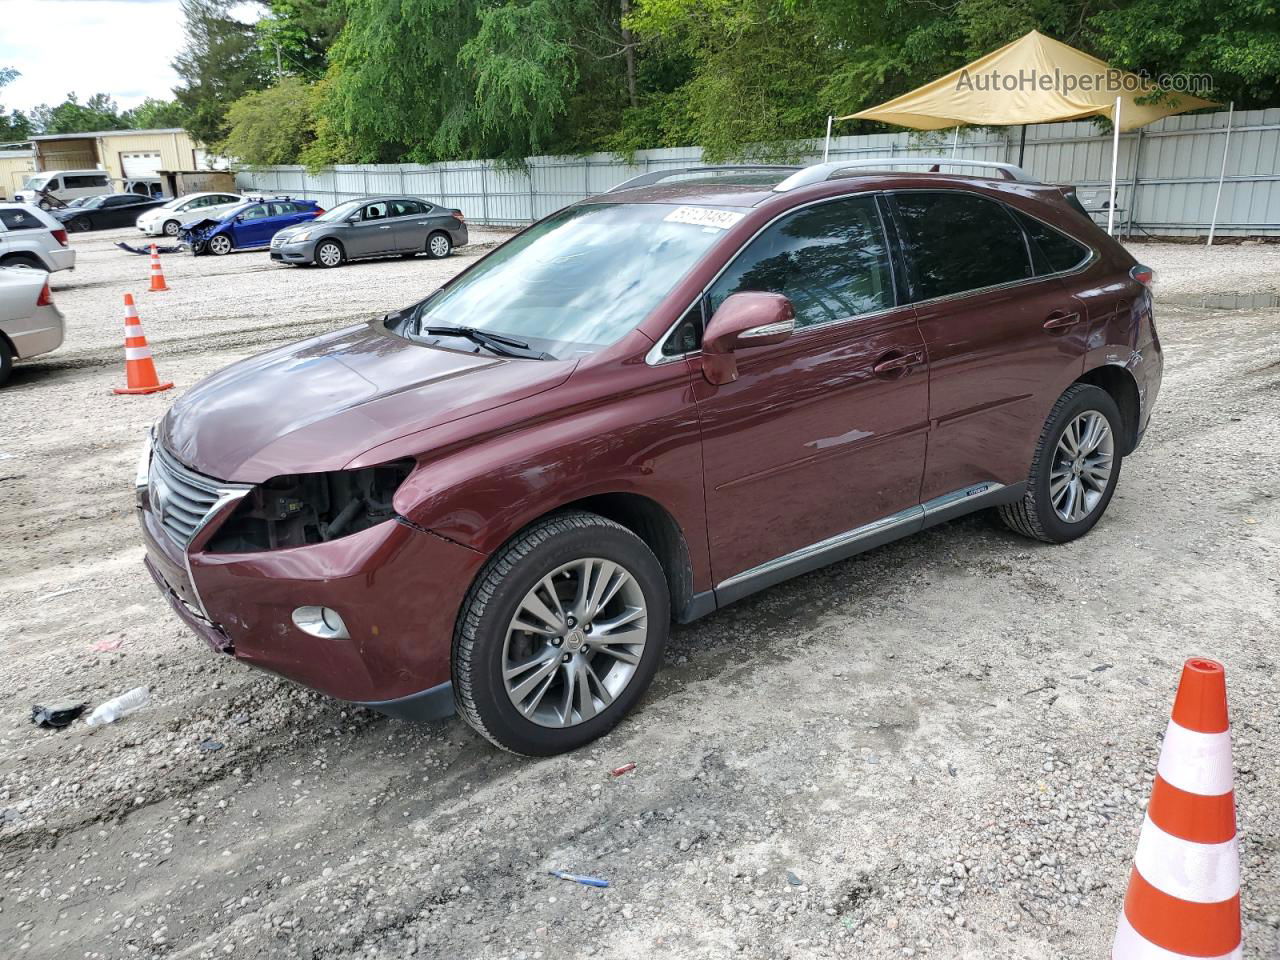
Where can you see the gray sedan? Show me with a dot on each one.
(372, 227)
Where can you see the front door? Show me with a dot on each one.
(1004, 338)
(823, 434)
(254, 226)
(373, 233)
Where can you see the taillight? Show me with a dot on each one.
(319, 210)
(457, 215)
(60, 236)
(46, 298)
(1144, 275)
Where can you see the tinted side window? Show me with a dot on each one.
(829, 260)
(20, 220)
(959, 242)
(687, 334)
(280, 209)
(120, 200)
(405, 208)
(254, 213)
(1055, 251)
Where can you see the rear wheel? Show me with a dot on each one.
(439, 246)
(1075, 468)
(560, 634)
(171, 228)
(219, 245)
(329, 253)
(24, 260)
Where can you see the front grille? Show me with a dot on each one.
(277, 242)
(180, 499)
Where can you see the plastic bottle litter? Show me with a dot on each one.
(619, 771)
(120, 706)
(579, 878)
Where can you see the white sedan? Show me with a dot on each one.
(29, 322)
(166, 219)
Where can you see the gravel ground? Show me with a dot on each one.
(940, 748)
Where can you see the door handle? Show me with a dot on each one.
(1058, 320)
(384, 228)
(894, 364)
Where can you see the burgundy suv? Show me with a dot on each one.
(640, 409)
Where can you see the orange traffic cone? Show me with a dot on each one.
(139, 369)
(157, 275)
(1184, 892)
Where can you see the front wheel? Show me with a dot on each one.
(171, 228)
(560, 634)
(1075, 468)
(78, 225)
(439, 246)
(328, 254)
(219, 245)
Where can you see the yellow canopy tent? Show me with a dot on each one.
(1035, 79)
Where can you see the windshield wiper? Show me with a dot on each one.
(503, 346)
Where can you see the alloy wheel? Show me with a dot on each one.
(171, 229)
(220, 245)
(575, 642)
(439, 246)
(1082, 465)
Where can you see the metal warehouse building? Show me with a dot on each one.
(124, 154)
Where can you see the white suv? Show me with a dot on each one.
(30, 237)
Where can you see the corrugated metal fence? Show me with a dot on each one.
(1167, 182)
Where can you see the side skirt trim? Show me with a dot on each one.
(866, 537)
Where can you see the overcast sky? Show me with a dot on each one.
(120, 47)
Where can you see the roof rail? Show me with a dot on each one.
(645, 179)
(825, 171)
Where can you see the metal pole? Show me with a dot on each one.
(1213, 226)
(955, 140)
(1133, 185)
(1022, 144)
(826, 147)
(1115, 158)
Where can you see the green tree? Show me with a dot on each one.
(271, 126)
(99, 112)
(154, 114)
(14, 125)
(296, 35)
(220, 64)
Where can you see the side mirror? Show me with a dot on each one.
(748, 319)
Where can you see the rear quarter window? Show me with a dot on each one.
(1053, 251)
(20, 220)
(958, 242)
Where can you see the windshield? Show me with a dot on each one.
(340, 212)
(585, 276)
(37, 183)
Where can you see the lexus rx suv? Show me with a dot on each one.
(640, 409)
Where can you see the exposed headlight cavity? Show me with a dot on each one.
(300, 509)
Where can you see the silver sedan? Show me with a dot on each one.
(372, 227)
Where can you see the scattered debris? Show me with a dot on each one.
(57, 593)
(793, 879)
(55, 716)
(108, 646)
(1102, 666)
(120, 706)
(619, 771)
(579, 878)
(146, 251)
(210, 746)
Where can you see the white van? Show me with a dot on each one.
(63, 185)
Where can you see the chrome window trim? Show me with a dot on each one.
(655, 356)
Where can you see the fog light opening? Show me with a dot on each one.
(323, 622)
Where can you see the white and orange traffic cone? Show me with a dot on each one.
(139, 368)
(157, 275)
(1184, 892)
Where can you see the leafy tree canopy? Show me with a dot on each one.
(271, 126)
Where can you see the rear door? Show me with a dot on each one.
(1003, 343)
(412, 224)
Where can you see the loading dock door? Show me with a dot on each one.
(139, 165)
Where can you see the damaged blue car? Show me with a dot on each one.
(248, 226)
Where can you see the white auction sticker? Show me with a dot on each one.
(704, 217)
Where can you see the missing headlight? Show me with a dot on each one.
(305, 508)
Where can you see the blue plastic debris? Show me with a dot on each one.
(579, 878)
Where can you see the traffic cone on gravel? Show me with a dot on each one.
(157, 275)
(139, 369)
(1184, 892)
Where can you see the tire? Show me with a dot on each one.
(486, 638)
(219, 245)
(329, 254)
(78, 225)
(24, 260)
(1056, 510)
(6, 360)
(171, 228)
(439, 245)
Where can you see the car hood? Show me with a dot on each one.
(317, 405)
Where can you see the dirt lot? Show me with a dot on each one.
(940, 748)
